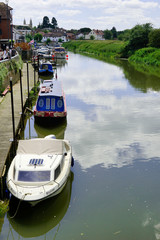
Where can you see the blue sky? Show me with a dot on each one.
(96, 14)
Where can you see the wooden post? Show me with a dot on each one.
(22, 113)
(34, 74)
(38, 68)
(28, 81)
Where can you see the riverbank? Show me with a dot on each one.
(144, 60)
(103, 50)
(8, 68)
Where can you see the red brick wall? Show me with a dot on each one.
(5, 29)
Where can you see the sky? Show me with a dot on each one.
(95, 14)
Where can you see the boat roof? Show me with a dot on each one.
(51, 88)
(41, 146)
(46, 63)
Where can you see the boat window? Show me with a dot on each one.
(47, 103)
(45, 67)
(34, 176)
(52, 103)
(57, 172)
(41, 103)
(59, 103)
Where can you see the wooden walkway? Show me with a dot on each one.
(6, 130)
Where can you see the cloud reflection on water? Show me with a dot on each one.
(113, 124)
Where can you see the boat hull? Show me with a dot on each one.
(22, 184)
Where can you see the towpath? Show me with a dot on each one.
(6, 130)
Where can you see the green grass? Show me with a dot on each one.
(147, 60)
(108, 49)
(144, 60)
(9, 66)
(3, 207)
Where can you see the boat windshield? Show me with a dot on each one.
(34, 176)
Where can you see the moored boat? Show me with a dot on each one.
(59, 52)
(40, 169)
(51, 103)
(45, 69)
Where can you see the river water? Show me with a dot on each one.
(113, 192)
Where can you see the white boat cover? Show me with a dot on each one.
(41, 146)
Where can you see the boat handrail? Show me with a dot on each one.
(42, 185)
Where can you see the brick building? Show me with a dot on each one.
(5, 24)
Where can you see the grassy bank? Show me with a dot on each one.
(144, 60)
(106, 50)
(147, 60)
(9, 68)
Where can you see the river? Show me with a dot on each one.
(113, 124)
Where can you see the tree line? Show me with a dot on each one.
(47, 24)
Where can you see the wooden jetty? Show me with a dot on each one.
(6, 127)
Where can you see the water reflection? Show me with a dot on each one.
(58, 130)
(114, 124)
(141, 81)
(36, 221)
(33, 130)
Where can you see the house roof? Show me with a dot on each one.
(3, 10)
(98, 32)
(54, 34)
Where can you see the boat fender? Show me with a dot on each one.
(72, 162)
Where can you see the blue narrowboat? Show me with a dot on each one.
(51, 103)
(46, 69)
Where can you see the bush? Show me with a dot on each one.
(154, 38)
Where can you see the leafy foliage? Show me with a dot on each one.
(38, 37)
(139, 38)
(85, 30)
(114, 33)
(54, 23)
(108, 49)
(154, 38)
(4, 207)
(146, 56)
(46, 23)
(107, 34)
(22, 45)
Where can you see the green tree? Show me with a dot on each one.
(154, 38)
(28, 37)
(45, 23)
(107, 34)
(92, 37)
(124, 35)
(54, 23)
(139, 38)
(38, 37)
(85, 30)
(114, 32)
(48, 41)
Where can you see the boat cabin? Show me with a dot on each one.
(41, 161)
(51, 100)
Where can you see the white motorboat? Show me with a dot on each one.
(40, 168)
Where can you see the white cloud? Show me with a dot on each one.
(68, 12)
(100, 14)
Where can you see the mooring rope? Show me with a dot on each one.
(19, 205)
